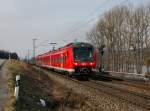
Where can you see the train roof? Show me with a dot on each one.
(75, 44)
(78, 44)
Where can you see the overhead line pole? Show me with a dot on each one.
(28, 55)
(34, 49)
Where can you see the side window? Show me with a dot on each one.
(67, 54)
(49, 59)
(64, 57)
(58, 59)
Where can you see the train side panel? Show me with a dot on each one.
(63, 60)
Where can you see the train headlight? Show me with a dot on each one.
(75, 63)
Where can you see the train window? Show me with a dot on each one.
(83, 53)
(57, 59)
(60, 59)
(67, 54)
(64, 59)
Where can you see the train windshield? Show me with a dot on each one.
(83, 53)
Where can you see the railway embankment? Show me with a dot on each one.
(39, 92)
(48, 91)
(106, 97)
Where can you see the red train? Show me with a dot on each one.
(74, 58)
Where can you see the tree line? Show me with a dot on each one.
(124, 32)
(7, 55)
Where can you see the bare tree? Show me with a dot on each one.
(126, 34)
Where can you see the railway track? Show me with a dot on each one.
(130, 97)
(134, 84)
(141, 84)
(117, 88)
(125, 95)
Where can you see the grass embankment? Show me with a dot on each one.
(13, 68)
(35, 86)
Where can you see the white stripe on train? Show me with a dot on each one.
(58, 68)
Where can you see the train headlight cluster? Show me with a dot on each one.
(75, 63)
(83, 64)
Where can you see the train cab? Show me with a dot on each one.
(84, 57)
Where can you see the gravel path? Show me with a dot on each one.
(3, 85)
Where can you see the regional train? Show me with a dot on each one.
(75, 58)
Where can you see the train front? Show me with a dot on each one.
(84, 58)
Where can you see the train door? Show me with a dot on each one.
(61, 60)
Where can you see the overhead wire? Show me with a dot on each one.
(41, 43)
(92, 19)
(87, 17)
(92, 12)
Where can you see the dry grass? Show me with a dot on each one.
(35, 86)
(13, 68)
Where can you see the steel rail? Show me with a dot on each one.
(132, 97)
(142, 86)
(123, 90)
(130, 83)
(125, 95)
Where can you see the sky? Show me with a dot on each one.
(60, 21)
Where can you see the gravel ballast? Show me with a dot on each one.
(96, 99)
